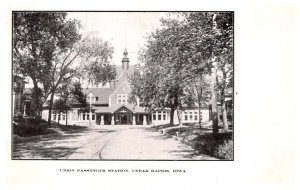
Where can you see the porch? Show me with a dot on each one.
(122, 116)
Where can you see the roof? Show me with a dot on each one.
(118, 106)
(119, 70)
(101, 93)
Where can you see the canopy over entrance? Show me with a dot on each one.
(123, 116)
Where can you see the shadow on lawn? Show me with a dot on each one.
(44, 148)
(53, 146)
(202, 140)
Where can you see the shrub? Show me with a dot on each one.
(215, 145)
(30, 127)
(225, 150)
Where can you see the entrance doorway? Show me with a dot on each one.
(123, 119)
(123, 116)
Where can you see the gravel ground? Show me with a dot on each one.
(112, 143)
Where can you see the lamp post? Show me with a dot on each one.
(90, 95)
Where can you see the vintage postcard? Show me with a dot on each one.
(156, 95)
(123, 85)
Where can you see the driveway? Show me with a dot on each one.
(112, 143)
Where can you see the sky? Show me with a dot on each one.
(121, 29)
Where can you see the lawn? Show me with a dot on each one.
(28, 129)
(201, 139)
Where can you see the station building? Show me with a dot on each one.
(109, 105)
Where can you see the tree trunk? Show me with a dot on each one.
(199, 114)
(179, 114)
(214, 102)
(172, 116)
(35, 98)
(224, 115)
(66, 117)
(199, 100)
(50, 108)
(58, 117)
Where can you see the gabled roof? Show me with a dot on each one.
(113, 109)
(119, 70)
(101, 93)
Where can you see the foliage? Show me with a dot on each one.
(225, 150)
(30, 127)
(48, 49)
(215, 145)
(178, 54)
(163, 78)
(38, 39)
(69, 95)
(79, 98)
(198, 91)
(96, 59)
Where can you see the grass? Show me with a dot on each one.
(28, 127)
(202, 140)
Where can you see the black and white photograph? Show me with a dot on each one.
(149, 94)
(124, 85)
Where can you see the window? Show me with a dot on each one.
(87, 116)
(191, 117)
(196, 115)
(122, 98)
(83, 116)
(63, 117)
(164, 115)
(93, 116)
(54, 117)
(154, 117)
(185, 117)
(159, 117)
(97, 98)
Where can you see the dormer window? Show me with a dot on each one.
(97, 98)
(122, 98)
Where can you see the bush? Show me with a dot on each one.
(215, 145)
(225, 150)
(30, 127)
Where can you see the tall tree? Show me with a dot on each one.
(89, 58)
(224, 53)
(185, 47)
(210, 41)
(165, 72)
(37, 38)
(48, 49)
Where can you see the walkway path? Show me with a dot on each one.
(110, 143)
